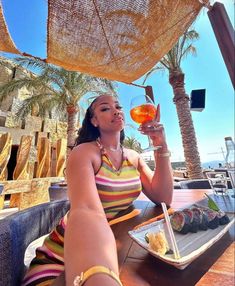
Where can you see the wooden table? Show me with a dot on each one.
(138, 268)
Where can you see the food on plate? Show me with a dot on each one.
(197, 218)
(201, 218)
(194, 223)
(158, 242)
(223, 218)
(180, 222)
(211, 204)
(213, 220)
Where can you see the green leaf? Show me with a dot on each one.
(146, 237)
(211, 204)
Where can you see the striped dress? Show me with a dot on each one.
(117, 190)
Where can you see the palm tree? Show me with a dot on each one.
(54, 88)
(171, 61)
(132, 143)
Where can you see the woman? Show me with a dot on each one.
(103, 179)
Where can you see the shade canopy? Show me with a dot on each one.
(114, 39)
(6, 43)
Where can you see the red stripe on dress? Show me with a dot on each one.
(111, 197)
(113, 181)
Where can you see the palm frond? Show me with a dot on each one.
(45, 103)
(153, 70)
(182, 42)
(192, 35)
(183, 47)
(24, 108)
(53, 103)
(33, 63)
(5, 63)
(109, 86)
(177, 47)
(190, 49)
(168, 59)
(132, 143)
(9, 87)
(186, 41)
(172, 59)
(52, 80)
(165, 63)
(53, 88)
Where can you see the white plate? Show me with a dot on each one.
(190, 245)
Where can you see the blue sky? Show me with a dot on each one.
(26, 21)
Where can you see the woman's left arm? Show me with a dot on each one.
(157, 185)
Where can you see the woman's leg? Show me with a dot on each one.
(60, 280)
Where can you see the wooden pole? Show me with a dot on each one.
(149, 91)
(225, 36)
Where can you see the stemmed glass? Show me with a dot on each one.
(142, 111)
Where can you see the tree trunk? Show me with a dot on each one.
(72, 112)
(181, 99)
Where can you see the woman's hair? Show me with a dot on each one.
(88, 132)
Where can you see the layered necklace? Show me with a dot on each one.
(113, 149)
(118, 148)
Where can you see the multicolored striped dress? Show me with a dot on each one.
(117, 190)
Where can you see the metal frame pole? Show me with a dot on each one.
(225, 36)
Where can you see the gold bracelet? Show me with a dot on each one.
(166, 154)
(80, 280)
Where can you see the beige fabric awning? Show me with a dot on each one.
(6, 43)
(117, 39)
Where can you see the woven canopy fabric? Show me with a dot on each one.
(115, 39)
(118, 39)
(6, 43)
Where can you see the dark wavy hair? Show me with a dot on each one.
(88, 132)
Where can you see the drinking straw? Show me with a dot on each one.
(170, 231)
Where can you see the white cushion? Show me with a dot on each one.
(30, 251)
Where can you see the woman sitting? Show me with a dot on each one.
(104, 178)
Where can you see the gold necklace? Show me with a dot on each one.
(116, 171)
(118, 148)
(114, 149)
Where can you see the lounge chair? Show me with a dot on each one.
(18, 230)
(199, 184)
(195, 184)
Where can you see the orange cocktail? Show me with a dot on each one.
(143, 113)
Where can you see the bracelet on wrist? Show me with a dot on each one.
(82, 278)
(165, 154)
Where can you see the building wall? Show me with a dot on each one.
(31, 125)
